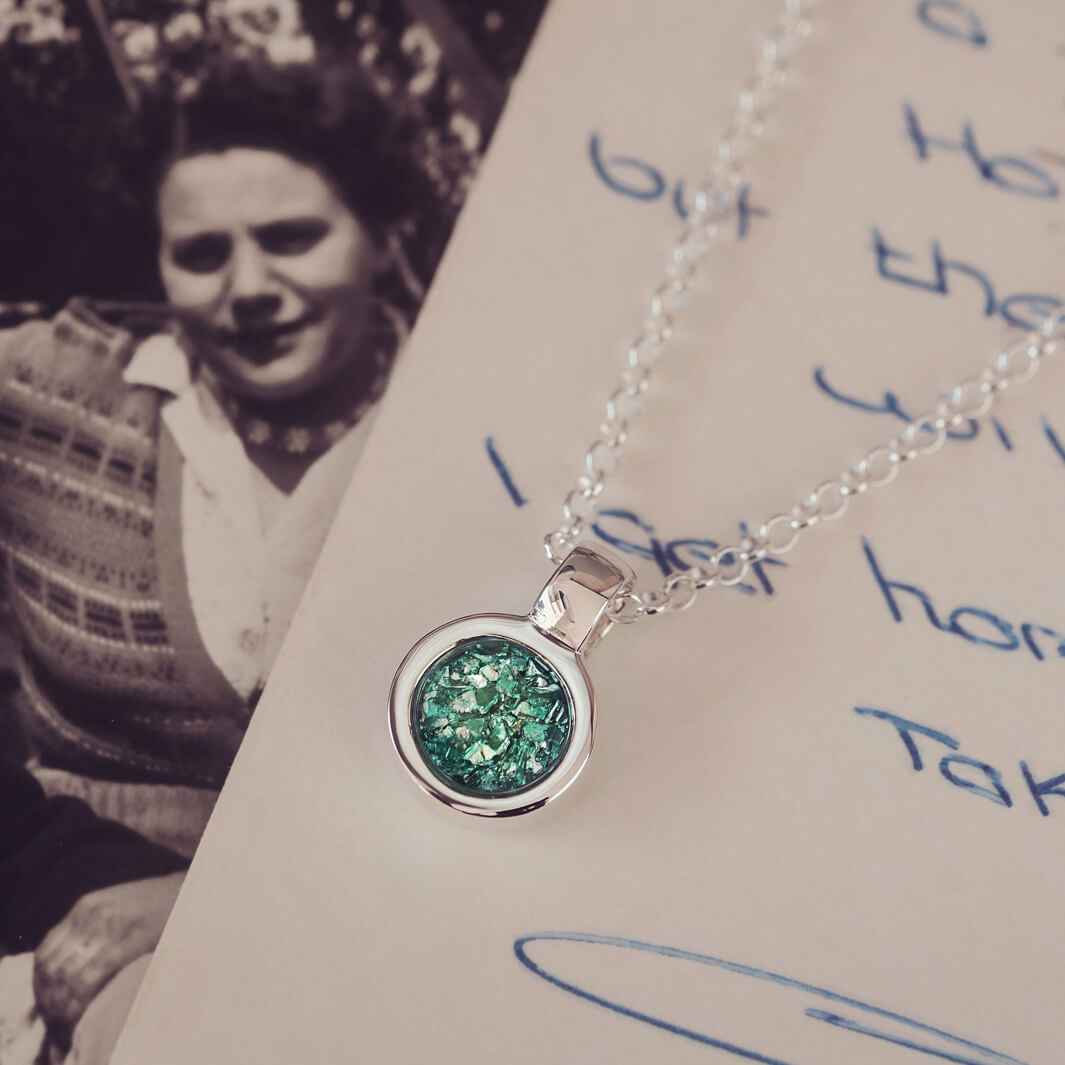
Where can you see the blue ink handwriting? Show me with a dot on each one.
(639, 180)
(745, 210)
(504, 474)
(670, 556)
(1055, 442)
(893, 407)
(953, 19)
(960, 769)
(1010, 173)
(778, 995)
(973, 624)
(674, 555)
(1025, 310)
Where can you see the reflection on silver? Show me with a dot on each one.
(572, 606)
(568, 618)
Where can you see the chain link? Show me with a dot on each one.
(925, 435)
(714, 202)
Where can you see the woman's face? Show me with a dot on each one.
(272, 270)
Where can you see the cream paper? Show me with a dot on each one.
(758, 863)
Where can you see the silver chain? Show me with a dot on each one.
(714, 203)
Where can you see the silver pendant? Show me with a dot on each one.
(494, 714)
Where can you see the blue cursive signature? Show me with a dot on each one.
(780, 994)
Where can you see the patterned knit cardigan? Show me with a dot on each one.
(115, 680)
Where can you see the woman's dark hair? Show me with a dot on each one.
(87, 190)
(325, 117)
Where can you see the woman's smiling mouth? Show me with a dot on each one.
(263, 343)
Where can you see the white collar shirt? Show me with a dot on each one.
(245, 577)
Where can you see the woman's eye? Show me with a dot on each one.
(202, 254)
(291, 237)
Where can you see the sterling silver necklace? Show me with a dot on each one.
(494, 714)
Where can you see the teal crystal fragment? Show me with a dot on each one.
(491, 717)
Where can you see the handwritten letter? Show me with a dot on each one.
(823, 822)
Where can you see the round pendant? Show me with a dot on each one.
(494, 714)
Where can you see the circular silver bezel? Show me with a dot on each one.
(563, 661)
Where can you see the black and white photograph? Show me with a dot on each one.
(219, 220)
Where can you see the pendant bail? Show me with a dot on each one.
(572, 606)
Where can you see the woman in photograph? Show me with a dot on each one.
(164, 492)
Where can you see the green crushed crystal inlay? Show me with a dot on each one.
(491, 717)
